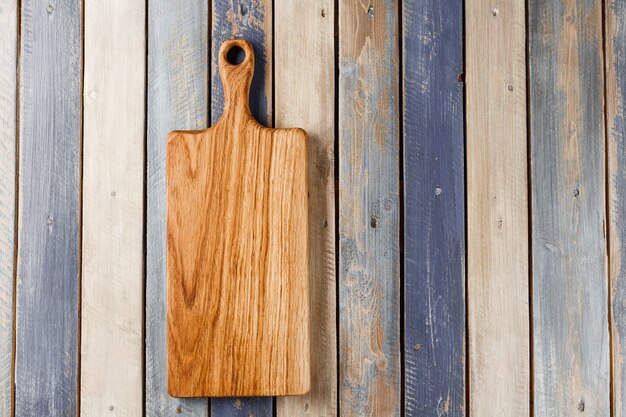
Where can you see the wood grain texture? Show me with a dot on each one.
(112, 244)
(304, 96)
(369, 293)
(238, 324)
(8, 150)
(46, 371)
(615, 29)
(571, 340)
(434, 208)
(497, 209)
(177, 99)
(252, 20)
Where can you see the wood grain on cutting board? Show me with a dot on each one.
(48, 270)
(570, 311)
(177, 83)
(305, 98)
(113, 195)
(369, 210)
(237, 255)
(251, 20)
(8, 150)
(497, 209)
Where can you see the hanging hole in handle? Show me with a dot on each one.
(235, 55)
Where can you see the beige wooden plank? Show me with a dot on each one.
(497, 204)
(304, 97)
(113, 173)
(8, 63)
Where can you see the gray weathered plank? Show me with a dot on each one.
(497, 209)
(615, 29)
(49, 209)
(252, 20)
(434, 208)
(571, 340)
(369, 208)
(8, 85)
(177, 99)
(305, 97)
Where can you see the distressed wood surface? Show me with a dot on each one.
(571, 341)
(497, 209)
(304, 97)
(434, 208)
(252, 20)
(237, 195)
(112, 243)
(8, 150)
(615, 29)
(46, 366)
(369, 292)
(177, 99)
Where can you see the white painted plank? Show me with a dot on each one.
(113, 172)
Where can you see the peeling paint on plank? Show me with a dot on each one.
(434, 208)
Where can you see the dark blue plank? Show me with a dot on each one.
(46, 367)
(434, 241)
(251, 20)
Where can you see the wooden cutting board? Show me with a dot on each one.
(237, 262)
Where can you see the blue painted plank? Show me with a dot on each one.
(251, 20)
(177, 100)
(369, 210)
(434, 208)
(49, 209)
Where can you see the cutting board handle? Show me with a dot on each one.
(236, 78)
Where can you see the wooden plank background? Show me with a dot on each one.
(497, 210)
(8, 150)
(48, 250)
(434, 208)
(369, 209)
(569, 268)
(112, 210)
(441, 134)
(615, 29)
